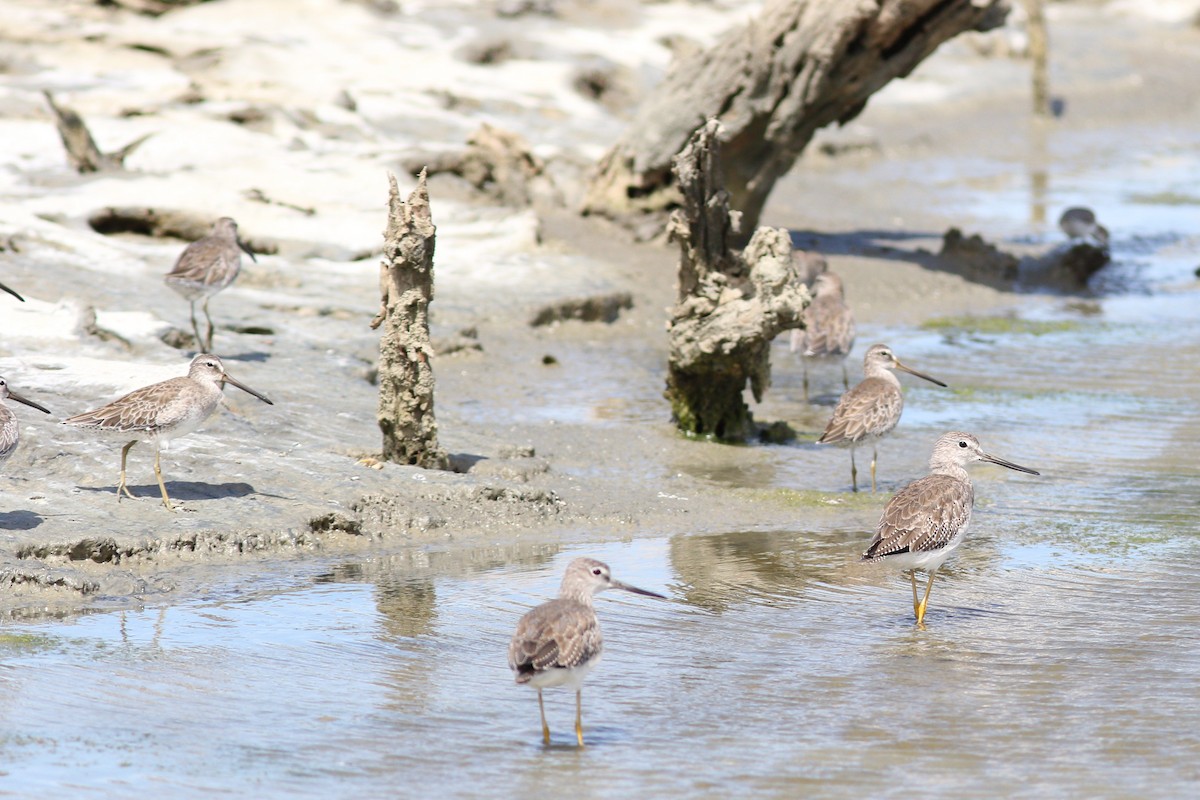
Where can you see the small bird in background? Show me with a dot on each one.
(558, 642)
(828, 333)
(870, 410)
(163, 411)
(10, 433)
(205, 267)
(10, 291)
(1079, 223)
(923, 522)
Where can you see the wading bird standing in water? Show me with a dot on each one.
(870, 410)
(558, 643)
(923, 522)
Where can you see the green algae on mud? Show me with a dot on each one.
(997, 325)
(812, 498)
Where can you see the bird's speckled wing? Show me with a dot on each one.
(149, 408)
(829, 328)
(558, 634)
(10, 433)
(872, 408)
(925, 515)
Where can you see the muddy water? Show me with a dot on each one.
(1060, 656)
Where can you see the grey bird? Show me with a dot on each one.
(828, 332)
(1079, 222)
(925, 521)
(559, 642)
(10, 433)
(870, 410)
(163, 411)
(205, 267)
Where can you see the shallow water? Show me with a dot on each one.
(1060, 655)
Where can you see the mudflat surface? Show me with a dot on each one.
(560, 431)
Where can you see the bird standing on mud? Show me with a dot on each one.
(558, 642)
(163, 411)
(828, 332)
(923, 522)
(205, 267)
(870, 410)
(10, 431)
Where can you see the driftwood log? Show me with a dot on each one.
(799, 66)
(730, 305)
(405, 413)
(82, 151)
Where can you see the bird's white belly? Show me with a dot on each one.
(571, 678)
(928, 560)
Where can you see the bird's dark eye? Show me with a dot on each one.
(962, 444)
(597, 571)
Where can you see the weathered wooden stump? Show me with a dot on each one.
(405, 413)
(731, 304)
(799, 66)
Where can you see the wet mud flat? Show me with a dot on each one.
(557, 431)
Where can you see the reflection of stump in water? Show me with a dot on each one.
(405, 370)
(730, 306)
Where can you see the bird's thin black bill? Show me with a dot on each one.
(13, 395)
(636, 590)
(912, 371)
(248, 390)
(1010, 465)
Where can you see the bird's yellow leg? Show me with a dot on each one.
(925, 599)
(545, 727)
(121, 487)
(853, 471)
(912, 573)
(874, 456)
(579, 716)
(162, 486)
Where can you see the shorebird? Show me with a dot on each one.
(870, 410)
(205, 267)
(10, 291)
(558, 643)
(923, 522)
(163, 411)
(1079, 222)
(828, 332)
(10, 432)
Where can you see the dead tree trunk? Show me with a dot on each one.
(730, 306)
(405, 370)
(81, 148)
(801, 65)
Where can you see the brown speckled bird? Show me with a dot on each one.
(558, 643)
(923, 522)
(10, 429)
(828, 332)
(205, 267)
(163, 411)
(870, 410)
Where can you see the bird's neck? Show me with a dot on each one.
(953, 470)
(582, 596)
(883, 374)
